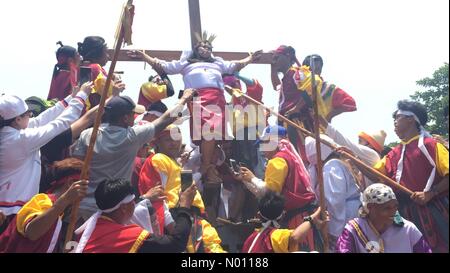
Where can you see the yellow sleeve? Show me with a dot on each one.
(276, 173)
(99, 85)
(161, 163)
(154, 92)
(35, 207)
(198, 202)
(441, 159)
(280, 240)
(381, 166)
(168, 167)
(211, 239)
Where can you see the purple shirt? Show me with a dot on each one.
(399, 238)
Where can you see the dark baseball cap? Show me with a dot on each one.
(120, 106)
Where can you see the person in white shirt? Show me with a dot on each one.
(369, 148)
(341, 188)
(21, 138)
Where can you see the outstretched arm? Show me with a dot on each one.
(171, 115)
(154, 62)
(244, 62)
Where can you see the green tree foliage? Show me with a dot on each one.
(435, 97)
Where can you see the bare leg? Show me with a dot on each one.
(211, 180)
(208, 167)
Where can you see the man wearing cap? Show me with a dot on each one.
(420, 164)
(342, 187)
(21, 137)
(287, 175)
(117, 144)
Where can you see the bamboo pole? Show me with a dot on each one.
(386, 180)
(319, 163)
(98, 119)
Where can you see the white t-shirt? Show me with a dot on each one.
(200, 75)
(20, 157)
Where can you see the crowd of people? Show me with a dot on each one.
(231, 187)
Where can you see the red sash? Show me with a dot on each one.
(111, 237)
(150, 178)
(11, 241)
(295, 188)
(263, 243)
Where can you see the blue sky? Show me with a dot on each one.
(374, 50)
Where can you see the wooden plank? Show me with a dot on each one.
(195, 20)
(266, 58)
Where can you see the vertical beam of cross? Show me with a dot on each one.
(195, 20)
(196, 27)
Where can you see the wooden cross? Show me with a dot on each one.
(196, 27)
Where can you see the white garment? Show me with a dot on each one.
(200, 75)
(142, 218)
(341, 194)
(366, 154)
(20, 157)
(256, 186)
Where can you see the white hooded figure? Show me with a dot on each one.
(342, 194)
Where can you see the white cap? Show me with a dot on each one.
(12, 106)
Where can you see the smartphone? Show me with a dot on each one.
(186, 179)
(180, 95)
(85, 75)
(235, 166)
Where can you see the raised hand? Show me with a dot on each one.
(187, 196)
(155, 194)
(246, 175)
(255, 56)
(188, 95)
(87, 87)
(136, 54)
(77, 191)
(118, 88)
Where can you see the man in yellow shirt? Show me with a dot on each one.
(286, 175)
(162, 169)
